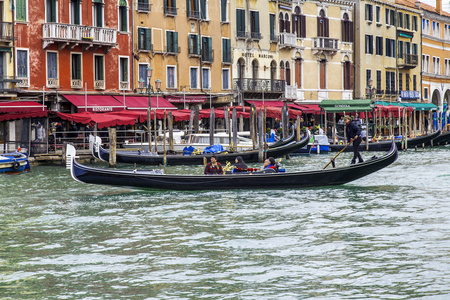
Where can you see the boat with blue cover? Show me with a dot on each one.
(14, 163)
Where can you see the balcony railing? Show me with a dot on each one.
(193, 51)
(242, 35)
(208, 57)
(170, 11)
(288, 40)
(76, 83)
(258, 85)
(6, 33)
(23, 82)
(193, 14)
(325, 43)
(124, 85)
(274, 38)
(290, 92)
(8, 84)
(409, 61)
(99, 84)
(69, 33)
(145, 7)
(256, 35)
(53, 83)
(173, 50)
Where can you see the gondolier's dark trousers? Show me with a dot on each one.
(356, 154)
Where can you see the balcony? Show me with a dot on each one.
(274, 38)
(193, 14)
(6, 32)
(124, 85)
(194, 52)
(8, 84)
(76, 83)
(170, 11)
(144, 7)
(208, 57)
(23, 82)
(321, 44)
(243, 35)
(258, 85)
(73, 35)
(52, 83)
(288, 40)
(172, 50)
(409, 61)
(255, 36)
(99, 84)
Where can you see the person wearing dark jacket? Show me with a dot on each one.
(353, 133)
(213, 167)
(240, 165)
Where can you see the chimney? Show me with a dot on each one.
(439, 6)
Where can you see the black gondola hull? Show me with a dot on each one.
(257, 180)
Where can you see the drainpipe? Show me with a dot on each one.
(14, 42)
(201, 47)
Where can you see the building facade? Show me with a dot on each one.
(435, 55)
(188, 46)
(388, 39)
(7, 71)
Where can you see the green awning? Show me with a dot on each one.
(406, 35)
(422, 106)
(331, 106)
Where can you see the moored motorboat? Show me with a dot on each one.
(385, 145)
(14, 163)
(147, 158)
(155, 179)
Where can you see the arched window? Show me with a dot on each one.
(346, 29)
(281, 21)
(241, 68)
(323, 74)
(123, 16)
(298, 72)
(322, 24)
(287, 23)
(273, 70)
(288, 73)
(298, 23)
(282, 71)
(255, 67)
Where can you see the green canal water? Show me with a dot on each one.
(385, 236)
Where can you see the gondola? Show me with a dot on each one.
(198, 159)
(155, 179)
(442, 139)
(14, 163)
(385, 145)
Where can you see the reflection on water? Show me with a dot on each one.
(383, 236)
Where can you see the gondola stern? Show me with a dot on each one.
(71, 154)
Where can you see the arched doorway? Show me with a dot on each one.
(436, 100)
(240, 72)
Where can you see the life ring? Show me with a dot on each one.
(16, 165)
(341, 143)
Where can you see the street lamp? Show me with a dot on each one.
(158, 89)
(149, 91)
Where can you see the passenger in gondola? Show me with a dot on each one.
(353, 134)
(239, 165)
(270, 164)
(213, 167)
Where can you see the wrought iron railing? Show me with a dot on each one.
(259, 85)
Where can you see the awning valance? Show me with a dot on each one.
(102, 120)
(141, 102)
(95, 103)
(416, 105)
(22, 107)
(331, 106)
(187, 99)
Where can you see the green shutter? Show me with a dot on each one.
(175, 42)
(174, 3)
(210, 49)
(101, 69)
(53, 12)
(223, 10)
(188, 6)
(224, 51)
(272, 25)
(141, 38)
(257, 21)
(165, 3)
(124, 18)
(148, 39)
(77, 12)
(168, 41)
(203, 8)
(99, 15)
(242, 17)
(21, 12)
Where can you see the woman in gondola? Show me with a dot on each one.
(270, 163)
(239, 165)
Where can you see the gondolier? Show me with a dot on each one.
(353, 134)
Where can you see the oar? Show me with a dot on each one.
(332, 160)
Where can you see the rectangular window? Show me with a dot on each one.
(225, 79)
(400, 20)
(407, 21)
(254, 24)
(298, 73)
(379, 45)
(407, 81)
(378, 14)
(143, 74)
(414, 23)
(193, 72)
(388, 82)
(369, 12)
(21, 10)
(425, 93)
(22, 63)
(123, 17)
(414, 82)
(172, 42)
(223, 11)
(97, 14)
(51, 11)
(194, 44)
(390, 48)
(369, 44)
(76, 66)
(240, 22)
(414, 49)
(368, 75)
(99, 67)
(378, 87)
(400, 49)
(143, 5)
(206, 78)
(75, 14)
(144, 39)
(392, 81)
(207, 49)
(390, 17)
(171, 79)
(272, 27)
(52, 65)
(400, 81)
(123, 69)
(226, 51)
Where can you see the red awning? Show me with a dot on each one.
(17, 116)
(95, 103)
(310, 108)
(141, 102)
(219, 113)
(187, 99)
(22, 107)
(102, 120)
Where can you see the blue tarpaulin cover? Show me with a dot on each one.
(213, 149)
(188, 150)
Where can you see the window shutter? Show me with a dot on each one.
(203, 8)
(124, 18)
(223, 10)
(175, 42)
(302, 26)
(298, 75)
(272, 25)
(327, 27)
(318, 26)
(166, 4)
(188, 6)
(197, 45)
(351, 76)
(224, 50)
(257, 21)
(350, 31)
(99, 15)
(141, 38)
(168, 41)
(209, 48)
(77, 12)
(238, 20)
(148, 39)
(53, 12)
